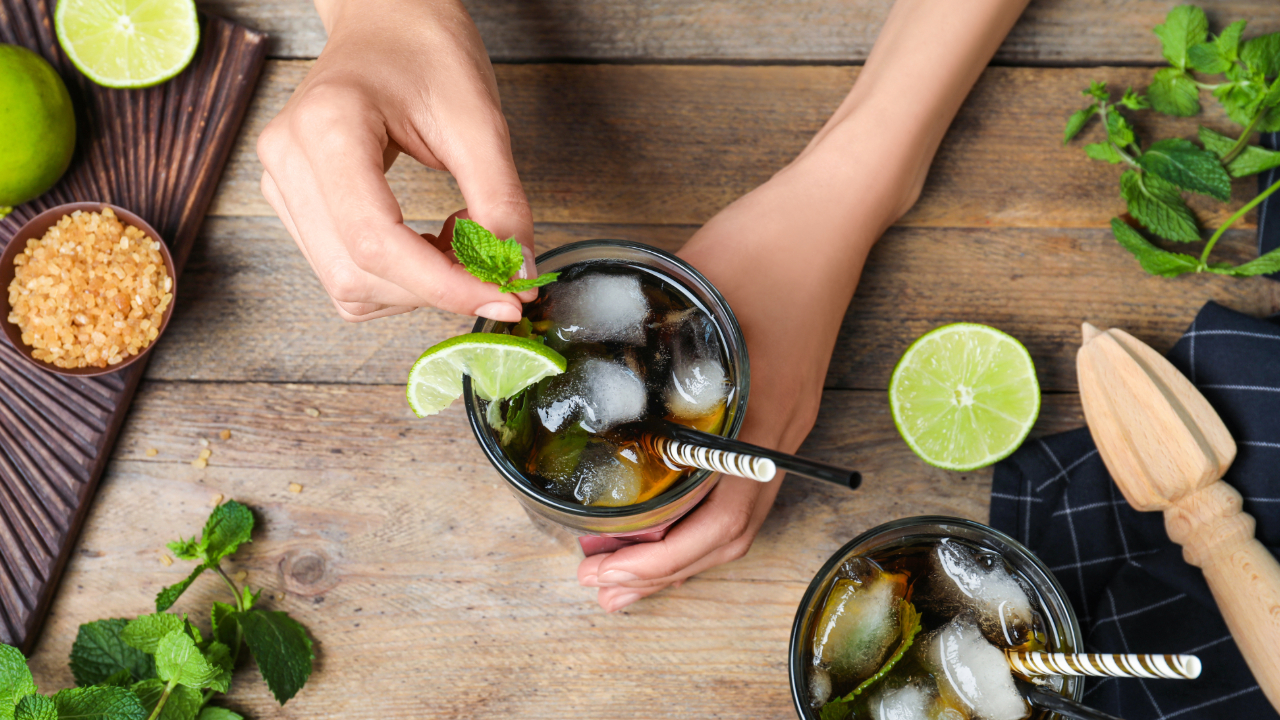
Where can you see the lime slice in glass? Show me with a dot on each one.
(128, 43)
(499, 365)
(964, 396)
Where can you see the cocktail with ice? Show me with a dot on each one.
(912, 620)
(645, 338)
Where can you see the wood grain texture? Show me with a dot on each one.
(1054, 32)
(423, 582)
(253, 311)
(159, 153)
(675, 144)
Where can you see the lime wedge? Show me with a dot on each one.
(964, 396)
(128, 43)
(499, 365)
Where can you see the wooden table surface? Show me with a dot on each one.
(425, 586)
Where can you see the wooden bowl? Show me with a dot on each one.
(36, 228)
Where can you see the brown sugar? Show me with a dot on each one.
(90, 292)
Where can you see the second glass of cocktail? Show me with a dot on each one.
(646, 338)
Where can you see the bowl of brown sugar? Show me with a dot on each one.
(89, 289)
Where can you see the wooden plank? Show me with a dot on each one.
(250, 309)
(1055, 32)
(424, 583)
(673, 145)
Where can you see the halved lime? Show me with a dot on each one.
(499, 365)
(964, 396)
(128, 43)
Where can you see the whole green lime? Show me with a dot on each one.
(39, 123)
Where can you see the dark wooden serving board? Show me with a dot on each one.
(158, 152)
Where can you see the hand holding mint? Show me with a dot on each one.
(493, 260)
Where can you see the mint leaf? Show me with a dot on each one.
(120, 678)
(1229, 41)
(217, 713)
(1173, 93)
(836, 710)
(249, 599)
(1153, 259)
(15, 680)
(99, 652)
(1103, 151)
(1264, 265)
(222, 617)
(281, 648)
(1184, 164)
(183, 702)
(1207, 57)
(228, 527)
(1263, 54)
(1119, 131)
(1097, 91)
(1076, 122)
(168, 596)
(144, 633)
(219, 656)
(1252, 161)
(179, 660)
(98, 703)
(1184, 27)
(185, 549)
(1158, 206)
(522, 284)
(1134, 101)
(483, 254)
(34, 707)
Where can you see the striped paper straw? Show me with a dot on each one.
(686, 455)
(1173, 667)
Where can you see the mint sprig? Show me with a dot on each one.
(493, 260)
(161, 666)
(1153, 184)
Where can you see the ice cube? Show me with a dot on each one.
(607, 475)
(697, 384)
(597, 394)
(909, 702)
(598, 308)
(981, 583)
(859, 623)
(971, 673)
(819, 687)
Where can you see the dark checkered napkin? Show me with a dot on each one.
(1127, 581)
(1269, 210)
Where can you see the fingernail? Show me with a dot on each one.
(529, 268)
(588, 581)
(617, 576)
(502, 312)
(622, 601)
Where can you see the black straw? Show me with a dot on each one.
(1064, 706)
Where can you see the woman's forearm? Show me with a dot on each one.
(925, 61)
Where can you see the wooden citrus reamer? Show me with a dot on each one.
(1167, 450)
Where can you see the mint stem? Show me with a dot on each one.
(235, 592)
(1208, 248)
(163, 697)
(1243, 141)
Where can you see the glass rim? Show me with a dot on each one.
(742, 369)
(1070, 623)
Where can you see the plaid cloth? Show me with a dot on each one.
(1127, 581)
(1269, 211)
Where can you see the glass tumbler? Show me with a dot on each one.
(648, 520)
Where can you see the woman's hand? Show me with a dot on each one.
(789, 297)
(395, 76)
